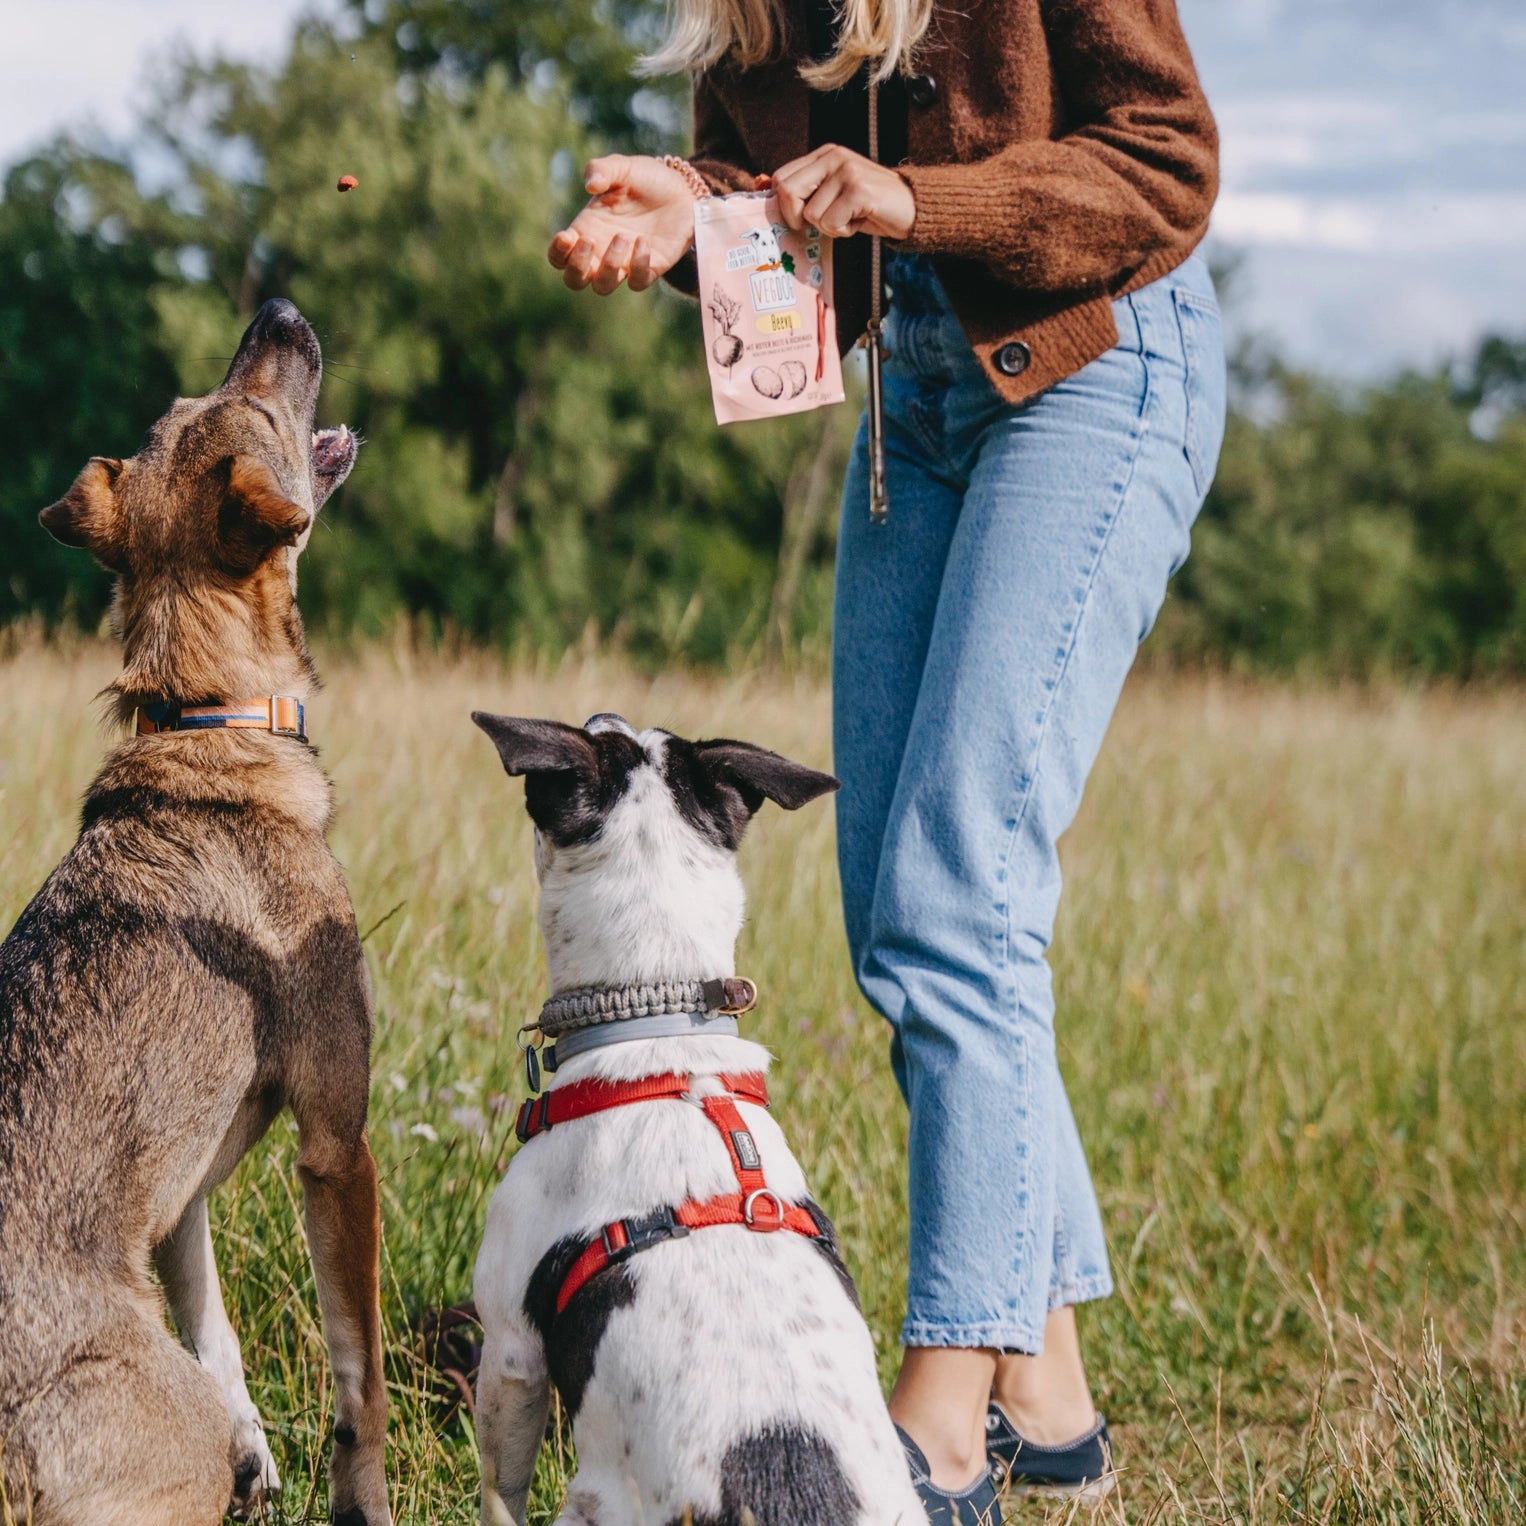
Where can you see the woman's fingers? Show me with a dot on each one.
(795, 185)
(582, 265)
(612, 265)
(833, 207)
(562, 246)
(605, 173)
(641, 275)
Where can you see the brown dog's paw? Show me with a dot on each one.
(449, 1344)
(255, 1484)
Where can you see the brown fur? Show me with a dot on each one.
(188, 970)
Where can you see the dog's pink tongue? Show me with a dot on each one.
(331, 447)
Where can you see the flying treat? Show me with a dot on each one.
(348, 182)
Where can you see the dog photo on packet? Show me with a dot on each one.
(899, 903)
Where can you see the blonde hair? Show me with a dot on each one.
(701, 33)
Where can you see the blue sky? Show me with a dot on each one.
(1374, 171)
(1374, 150)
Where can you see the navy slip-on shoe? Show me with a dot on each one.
(1080, 1467)
(973, 1506)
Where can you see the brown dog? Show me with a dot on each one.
(188, 970)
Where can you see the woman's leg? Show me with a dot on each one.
(1077, 511)
(888, 579)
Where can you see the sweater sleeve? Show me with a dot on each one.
(1137, 175)
(720, 156)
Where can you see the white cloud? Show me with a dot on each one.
(65, 63)
(1412, 224)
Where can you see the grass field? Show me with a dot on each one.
(1291, 987)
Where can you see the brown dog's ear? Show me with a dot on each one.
(89, 515)
(256, 515)
(758, 775)
(538, 747)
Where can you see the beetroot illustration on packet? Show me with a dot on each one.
(766, 305)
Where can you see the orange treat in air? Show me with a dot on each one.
(348, 182)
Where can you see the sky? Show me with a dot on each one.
(1374, 151)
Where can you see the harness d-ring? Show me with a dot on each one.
(763, 1226)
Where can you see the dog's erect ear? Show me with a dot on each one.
(758, 775)
(256, 514)
(89, 515)
(538, 747)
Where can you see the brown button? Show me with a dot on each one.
(922, 90)
(1013, 358)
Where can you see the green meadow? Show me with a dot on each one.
(1290, 976)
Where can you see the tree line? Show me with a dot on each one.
(542, 467)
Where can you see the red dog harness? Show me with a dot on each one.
(755, 1204)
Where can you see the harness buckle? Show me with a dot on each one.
(641, 1234)
(527, 1125)
(765, 1226)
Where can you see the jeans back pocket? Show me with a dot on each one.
(1197, 317)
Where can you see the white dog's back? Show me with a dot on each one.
(722, 1376)
(723, 1370)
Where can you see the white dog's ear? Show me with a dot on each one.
(533, 747)
(758, 775)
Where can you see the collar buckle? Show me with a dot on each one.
(730, 997)
(288, 717)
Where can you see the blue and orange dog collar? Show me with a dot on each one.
(279, 714)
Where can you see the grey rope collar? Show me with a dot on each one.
(595, 1016)
(594, 1005)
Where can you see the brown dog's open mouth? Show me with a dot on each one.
(333, 455)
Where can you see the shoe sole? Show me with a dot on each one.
(1093, 1492)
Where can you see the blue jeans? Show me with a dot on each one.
(982, 637)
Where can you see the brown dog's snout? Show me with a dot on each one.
(278, 351)
(279, 322)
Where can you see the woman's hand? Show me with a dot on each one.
(841, 192)
(638, 225)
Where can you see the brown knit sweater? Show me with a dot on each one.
(1061, 153)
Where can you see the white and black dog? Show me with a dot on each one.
(723, 1376)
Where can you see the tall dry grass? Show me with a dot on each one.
(1289, 969)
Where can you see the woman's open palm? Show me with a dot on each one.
(638, 225)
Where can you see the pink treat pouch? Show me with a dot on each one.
(765, 293)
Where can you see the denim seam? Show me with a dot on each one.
(1018, 810)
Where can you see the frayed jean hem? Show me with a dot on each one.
(1086, 1290)
(1003, 1335)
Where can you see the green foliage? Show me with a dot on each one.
(541, 465)
(1380, 533)
(82, 371)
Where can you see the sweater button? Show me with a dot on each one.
(923, 90)
(1013, 358)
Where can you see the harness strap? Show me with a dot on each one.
(621, 1240)
(755, 1205)
(278, 713)
(582, 1098)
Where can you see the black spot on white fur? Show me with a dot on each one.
(572, 1337)
(575, 776)
(826, 1242)
(784, 1475)
(719, 786)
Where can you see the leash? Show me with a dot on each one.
(874, 339)
(279, 714)
(754, 1204)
